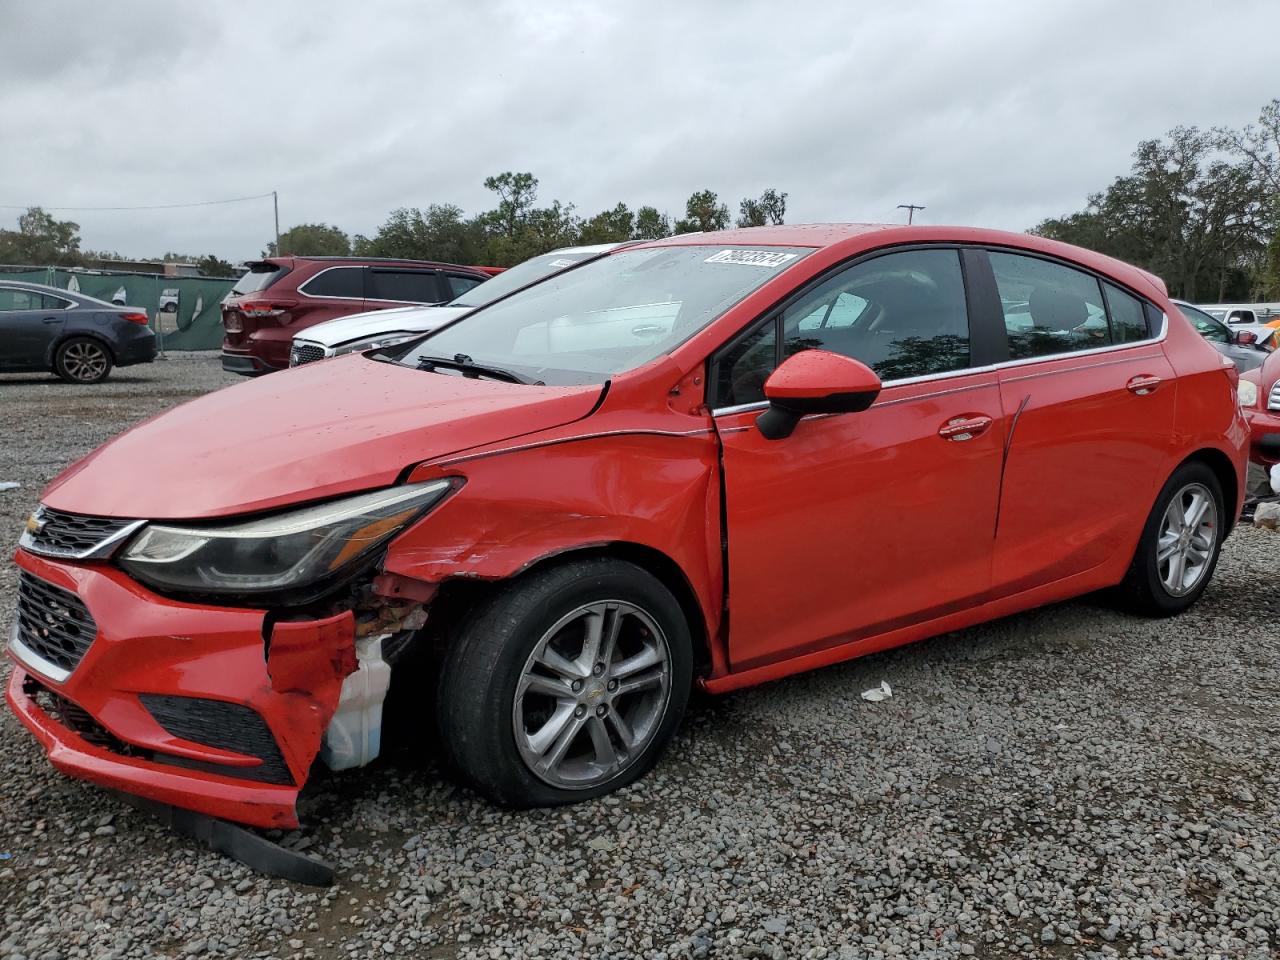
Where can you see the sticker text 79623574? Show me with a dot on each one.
(752, 258)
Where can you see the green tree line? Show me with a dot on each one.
(43, 241)
(518, 227)
(515, 229)
(1199, 208)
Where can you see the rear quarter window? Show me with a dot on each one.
(1128, 318)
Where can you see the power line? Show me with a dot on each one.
(155, 206)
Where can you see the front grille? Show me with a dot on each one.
(1273, 399)
(57, 534)
(227, 726)
(53, 623)
(302, 353)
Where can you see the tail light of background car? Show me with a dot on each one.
(135, 318)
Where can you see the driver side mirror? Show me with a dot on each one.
(815, 381)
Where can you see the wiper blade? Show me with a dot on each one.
(464, 364)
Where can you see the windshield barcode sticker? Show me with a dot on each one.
(752, 258)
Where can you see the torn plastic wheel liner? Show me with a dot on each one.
(238, 843)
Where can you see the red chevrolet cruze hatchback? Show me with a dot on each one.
(714, 459)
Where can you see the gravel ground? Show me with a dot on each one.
(1070, 782)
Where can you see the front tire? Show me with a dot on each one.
(566, 685)
(1180, 544)
(82, 360)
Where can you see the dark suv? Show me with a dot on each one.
(281, 295)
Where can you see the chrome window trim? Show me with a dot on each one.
(988, 368)
(99, 551)
(32, 660)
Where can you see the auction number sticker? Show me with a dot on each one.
(752, 258)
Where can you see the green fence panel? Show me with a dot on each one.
(194, 322)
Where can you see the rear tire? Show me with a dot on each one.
(1179, 547)
(82, 360)
(533, 712)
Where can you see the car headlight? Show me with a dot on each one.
(1247, 391)
(375, 343)
(280, 553)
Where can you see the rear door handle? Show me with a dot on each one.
(964, 428)
(1143, 384)
(50, 319)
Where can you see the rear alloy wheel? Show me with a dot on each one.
(1188, 539)
(82, 360)
(566, 685)
(1179, 546)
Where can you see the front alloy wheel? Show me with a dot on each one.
(592, 695)
(565, 684)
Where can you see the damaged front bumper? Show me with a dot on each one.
(213, 709)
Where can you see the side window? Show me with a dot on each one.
(458, 285)
(54, 303)
(411, 286)
(1128, 322)
(346, 282)
(840, 312)
(12, 298)
(902, 314)
(1048, 308)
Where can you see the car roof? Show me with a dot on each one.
(854, 238)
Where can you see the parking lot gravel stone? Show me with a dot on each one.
(1070, 782)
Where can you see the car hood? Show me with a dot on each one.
(303, 434)
(357, 326)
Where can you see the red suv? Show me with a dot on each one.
(714, 459)
(281, 295)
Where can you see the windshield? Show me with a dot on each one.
(617, 313)
(521, 275)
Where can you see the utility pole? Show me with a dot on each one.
(911, 209)
(275, 202)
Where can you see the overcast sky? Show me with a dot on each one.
(989, 113)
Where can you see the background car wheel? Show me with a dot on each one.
(566, 685)
(1179, 548)
(82, 360)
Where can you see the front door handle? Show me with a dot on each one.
(50, 319)
(1143, 384)
(964, 428)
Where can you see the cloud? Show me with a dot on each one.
(991, 113)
